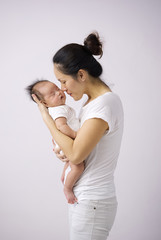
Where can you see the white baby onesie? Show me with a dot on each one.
(72, 121)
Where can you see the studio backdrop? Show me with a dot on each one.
(32, 203)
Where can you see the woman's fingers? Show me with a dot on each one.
(57, 149)
(35, 98)
(53, 142)
(43, 109)
(58, 152)
(63, 158)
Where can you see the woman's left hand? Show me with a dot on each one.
(57, 151)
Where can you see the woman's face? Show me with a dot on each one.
(73, 87)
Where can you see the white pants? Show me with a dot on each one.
(92, 220)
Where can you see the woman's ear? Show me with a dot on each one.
(82, 75)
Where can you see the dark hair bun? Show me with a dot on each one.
(93, 43)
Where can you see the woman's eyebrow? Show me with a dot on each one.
(61, 80)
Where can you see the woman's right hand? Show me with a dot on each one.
(58, 152)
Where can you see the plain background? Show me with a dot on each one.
(32, 204)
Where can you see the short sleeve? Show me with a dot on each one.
(100, 108)
(57, 112)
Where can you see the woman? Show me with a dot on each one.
(97, 142)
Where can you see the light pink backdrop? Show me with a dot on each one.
(32, 204)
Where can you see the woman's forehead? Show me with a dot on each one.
(59, 75)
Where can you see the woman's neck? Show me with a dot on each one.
(96, 88)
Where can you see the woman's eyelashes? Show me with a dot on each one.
(62, 81)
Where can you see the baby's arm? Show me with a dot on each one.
(61, 124)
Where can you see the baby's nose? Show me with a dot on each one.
(63, 88)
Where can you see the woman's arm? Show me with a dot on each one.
(87, 137)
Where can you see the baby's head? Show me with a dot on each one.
(47, 92)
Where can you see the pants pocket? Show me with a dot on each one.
(92, 219)
(82, 219)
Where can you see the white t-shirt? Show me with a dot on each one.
(97, 180)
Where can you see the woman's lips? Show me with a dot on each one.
(69, 93)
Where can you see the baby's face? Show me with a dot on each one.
(53, 96)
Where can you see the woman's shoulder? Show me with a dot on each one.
(108, 104)
(102, 100)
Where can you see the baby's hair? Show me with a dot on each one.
(32, 90)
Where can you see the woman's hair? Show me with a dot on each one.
(73, 57)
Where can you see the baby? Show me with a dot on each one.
(54, 99)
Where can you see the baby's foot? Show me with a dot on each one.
(70, 196)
